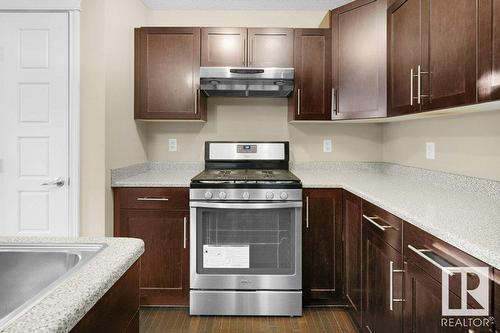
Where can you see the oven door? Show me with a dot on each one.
(246, 246)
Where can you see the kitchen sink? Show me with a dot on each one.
(29, 272)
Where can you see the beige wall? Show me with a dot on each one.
(92, 121)
(468, 145)
(264, 119)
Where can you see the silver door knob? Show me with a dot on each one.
(59, 182)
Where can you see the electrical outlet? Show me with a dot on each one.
(430, 150)
(327, 145)
(172, 144)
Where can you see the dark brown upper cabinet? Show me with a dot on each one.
(489, 50)
(322, 246)
(270, 47)
(359, 59)
(241, 47)
(312, 96)
(224, 47)
(432, 55)
(167, 69)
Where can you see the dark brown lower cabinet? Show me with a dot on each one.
(322, 246)
(118, 309)
(352, 254)
(382, 284)
(423, 302)
(159, 217)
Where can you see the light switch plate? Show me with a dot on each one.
(327, 145)
(172, 144)
(430, 150)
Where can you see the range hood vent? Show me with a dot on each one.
(246, 82)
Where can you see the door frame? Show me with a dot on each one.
(72, 8)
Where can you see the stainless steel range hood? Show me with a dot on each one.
(246, 82)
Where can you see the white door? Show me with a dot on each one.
(34, 105)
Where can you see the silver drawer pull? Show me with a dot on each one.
(152, 199)
(421, 252)
(371, 220)
(391, 285)
(185, 232)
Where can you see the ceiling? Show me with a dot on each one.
(244, 4)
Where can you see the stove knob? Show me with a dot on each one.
(208, 195)
(284, 195)
(269, 195)
(246, 195)
(222, 195)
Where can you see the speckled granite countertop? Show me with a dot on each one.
(463, 211)
(63, 308)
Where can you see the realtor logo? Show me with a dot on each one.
(480, 293)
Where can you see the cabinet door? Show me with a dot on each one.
(322, 248)
(489, 50)
(403, 56)
(165, 262)
(449, 49)
(167, 67)
(359, 59)
(224, 47)
(380, 312)
(352, 254)
(311, 99)
(270, 47)
(423, 302)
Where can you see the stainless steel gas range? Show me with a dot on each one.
(246, 237)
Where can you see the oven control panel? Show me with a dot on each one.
(245, 194)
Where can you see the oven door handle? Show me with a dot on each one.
(245, 205)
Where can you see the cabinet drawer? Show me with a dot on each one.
(386, 225)
(152, 198)
(430, 253)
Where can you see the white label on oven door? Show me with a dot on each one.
(226, 256)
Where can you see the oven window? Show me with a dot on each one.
(245, 241)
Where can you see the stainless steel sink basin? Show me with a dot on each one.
(28, 272)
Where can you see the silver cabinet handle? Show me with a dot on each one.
(411, 87)
(298, 102)
(152, 199)
(307, 212)
(419, 83)
(244, 56)
(185, 227)
(371, 220)
(251, 51)
(59, 182)
(334, 103)
(391, 285)
(196, 101)
(421, 252)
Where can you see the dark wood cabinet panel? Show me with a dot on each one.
(359, 59)
(224, 47)
(322, 246)
(311, 99)
(449, 53)
(118, 309)
(167, 67)
(380, 265)
(489, 50)
(403, 56)
(270, 47)
(423, 306)
(165, 268)
(165, 232)
(352, 254)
